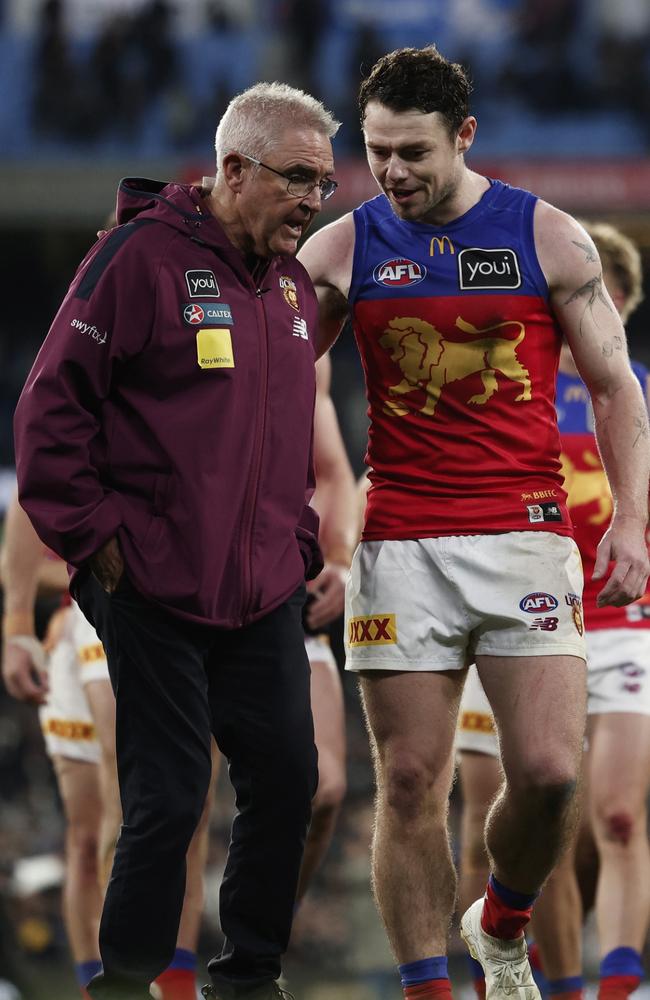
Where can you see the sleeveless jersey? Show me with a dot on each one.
(590, 499)
(460, 352)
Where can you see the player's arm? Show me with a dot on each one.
(23, 660)
(595, 334)
(334, 500)
(327, 255)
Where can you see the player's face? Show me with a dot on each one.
(413, 158)
(275, 220)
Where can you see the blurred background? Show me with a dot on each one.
(93, 90)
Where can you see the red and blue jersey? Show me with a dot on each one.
(460, 351)
(589, 497)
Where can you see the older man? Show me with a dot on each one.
(163, 446)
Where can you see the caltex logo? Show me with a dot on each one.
(193, 314)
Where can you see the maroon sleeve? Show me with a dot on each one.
(105, 319)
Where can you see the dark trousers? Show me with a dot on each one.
(176, 683)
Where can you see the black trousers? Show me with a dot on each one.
(176, 683)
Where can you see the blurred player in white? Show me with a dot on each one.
(617, 767)
(72, 688)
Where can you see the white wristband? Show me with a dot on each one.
(32, 646)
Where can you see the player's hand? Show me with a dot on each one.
(329, 595)
(107, 565)
(624, 543)
(24, 670)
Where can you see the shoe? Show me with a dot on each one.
(226, 991)
(505, 963)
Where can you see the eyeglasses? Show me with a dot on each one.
(299, 186)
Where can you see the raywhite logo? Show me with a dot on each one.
(91, 330)
(202, 284)
(300, 328)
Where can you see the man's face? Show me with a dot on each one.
(273, 219)
(413, 158)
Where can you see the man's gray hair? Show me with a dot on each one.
(255, 120)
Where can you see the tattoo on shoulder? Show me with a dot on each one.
(589, 251)
(592, 291)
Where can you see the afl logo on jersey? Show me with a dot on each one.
(534, 603)
(398, 271)
(498, 268)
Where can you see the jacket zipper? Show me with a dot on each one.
(252, 490)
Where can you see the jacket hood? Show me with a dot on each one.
(178, 205)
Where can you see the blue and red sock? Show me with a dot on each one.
(569, 988)
(84, 972)
(621, 971)
(477, 976)
(426, 979)
(505, 912)
(178, 981)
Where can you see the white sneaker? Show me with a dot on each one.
(505, 963)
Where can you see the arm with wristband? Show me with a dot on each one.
(23, 658)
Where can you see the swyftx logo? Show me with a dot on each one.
(90, 330)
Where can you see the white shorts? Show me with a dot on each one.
(319, 649)
(618, 671)
(436, 603)
(476, 729)
(76, 660)
(618, 680)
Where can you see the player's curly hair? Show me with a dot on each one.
(418, 79)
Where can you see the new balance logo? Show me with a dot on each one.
(381, 631)
(300, 328)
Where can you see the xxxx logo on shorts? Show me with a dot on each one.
(376, 630)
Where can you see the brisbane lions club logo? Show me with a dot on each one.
(430, 362)
(588, 486)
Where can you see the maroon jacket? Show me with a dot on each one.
(171, 404)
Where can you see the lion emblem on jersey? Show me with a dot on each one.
(586, 486)
(428, 361)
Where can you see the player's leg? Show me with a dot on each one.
(619, 772)
(532, 820)
(480, 774)
(101, 702)
(78, 783)
(411, 719)
(329, 734)
(72, 744)
(557, 929)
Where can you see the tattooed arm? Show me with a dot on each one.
(595, 334)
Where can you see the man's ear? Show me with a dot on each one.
(233, 169)
(466, 134)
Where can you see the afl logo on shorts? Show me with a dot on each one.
(193, 314)
(398, 271)
(532, 604)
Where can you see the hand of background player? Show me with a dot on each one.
(328, 590)
(24, 670)
(624, 542)
(107, 565)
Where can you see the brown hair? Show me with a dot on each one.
(621, 258)
(420, 79)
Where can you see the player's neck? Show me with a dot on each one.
(468, 192)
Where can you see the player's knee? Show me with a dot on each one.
(407, 786)
(552, 775)
(329, 795)
(82, 845)
(618, 825)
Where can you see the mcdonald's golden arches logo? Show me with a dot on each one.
(439, 243)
